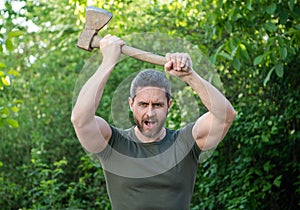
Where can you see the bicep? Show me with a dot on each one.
(208, 131)
(94, 135)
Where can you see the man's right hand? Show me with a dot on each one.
(110, 47)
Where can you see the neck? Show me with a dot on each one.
(146, 139)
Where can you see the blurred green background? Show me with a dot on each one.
(254, 47)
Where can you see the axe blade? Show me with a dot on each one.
(96, 19)
(99, 17)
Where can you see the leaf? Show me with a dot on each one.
(279, 70)
(271, 8)
(13, 123)
(15, 34)
(214, 57)
(237, 64)
(233, 52)
(277, 181)
(291, 5)
(264, 138)
(244, 53)
(267, 166)
(6, 80)
(268, 76)
(14, 109)
(249, 5)
(258, 60)
(225, 55)
(271, 27)
(2, 65)
(283, 52)
(4, 112)
(13, 72)
(9, 45)
(228, 27)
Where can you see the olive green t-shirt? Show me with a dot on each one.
(158, 175)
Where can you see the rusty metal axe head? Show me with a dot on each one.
(95, 20)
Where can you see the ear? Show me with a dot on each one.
(130, 102)
(170, 104)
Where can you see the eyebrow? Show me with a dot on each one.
(156, 103)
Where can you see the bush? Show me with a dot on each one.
(254, 46)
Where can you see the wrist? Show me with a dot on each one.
(187, 78)
(109, 61)
(107, 66)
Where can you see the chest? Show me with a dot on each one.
(161, 191)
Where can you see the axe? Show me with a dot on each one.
(96, 19)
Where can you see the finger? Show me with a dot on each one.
(114, 40)
(184, 61)
(168, 66)
(173, 60)
(105, 39)
(119, 42)
(178, 58)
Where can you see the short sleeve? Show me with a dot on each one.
(105, 154)
(185, 135)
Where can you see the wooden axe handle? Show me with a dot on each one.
(135, 53)
(144, 55)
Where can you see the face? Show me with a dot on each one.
(150, 109)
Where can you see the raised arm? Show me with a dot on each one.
(211, 127)
(93, 131)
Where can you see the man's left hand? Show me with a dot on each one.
(178, 64)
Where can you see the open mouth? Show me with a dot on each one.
(149, 124)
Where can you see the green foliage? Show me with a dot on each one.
(254, 46)
(8, 104)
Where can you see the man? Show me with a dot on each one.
(150, 166)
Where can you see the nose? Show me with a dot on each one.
(150, 111)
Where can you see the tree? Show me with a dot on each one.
(254, 46)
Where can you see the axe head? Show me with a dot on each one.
(95, 20)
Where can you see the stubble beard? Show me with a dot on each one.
(154, 132)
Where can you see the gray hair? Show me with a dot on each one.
(150, 78)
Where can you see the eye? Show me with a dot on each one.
(143, 104)
(158, 105)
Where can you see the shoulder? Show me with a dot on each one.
(187, 131)
(185, 135)
(119, 140)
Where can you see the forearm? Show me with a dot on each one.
(90, 95)
(211, 97)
